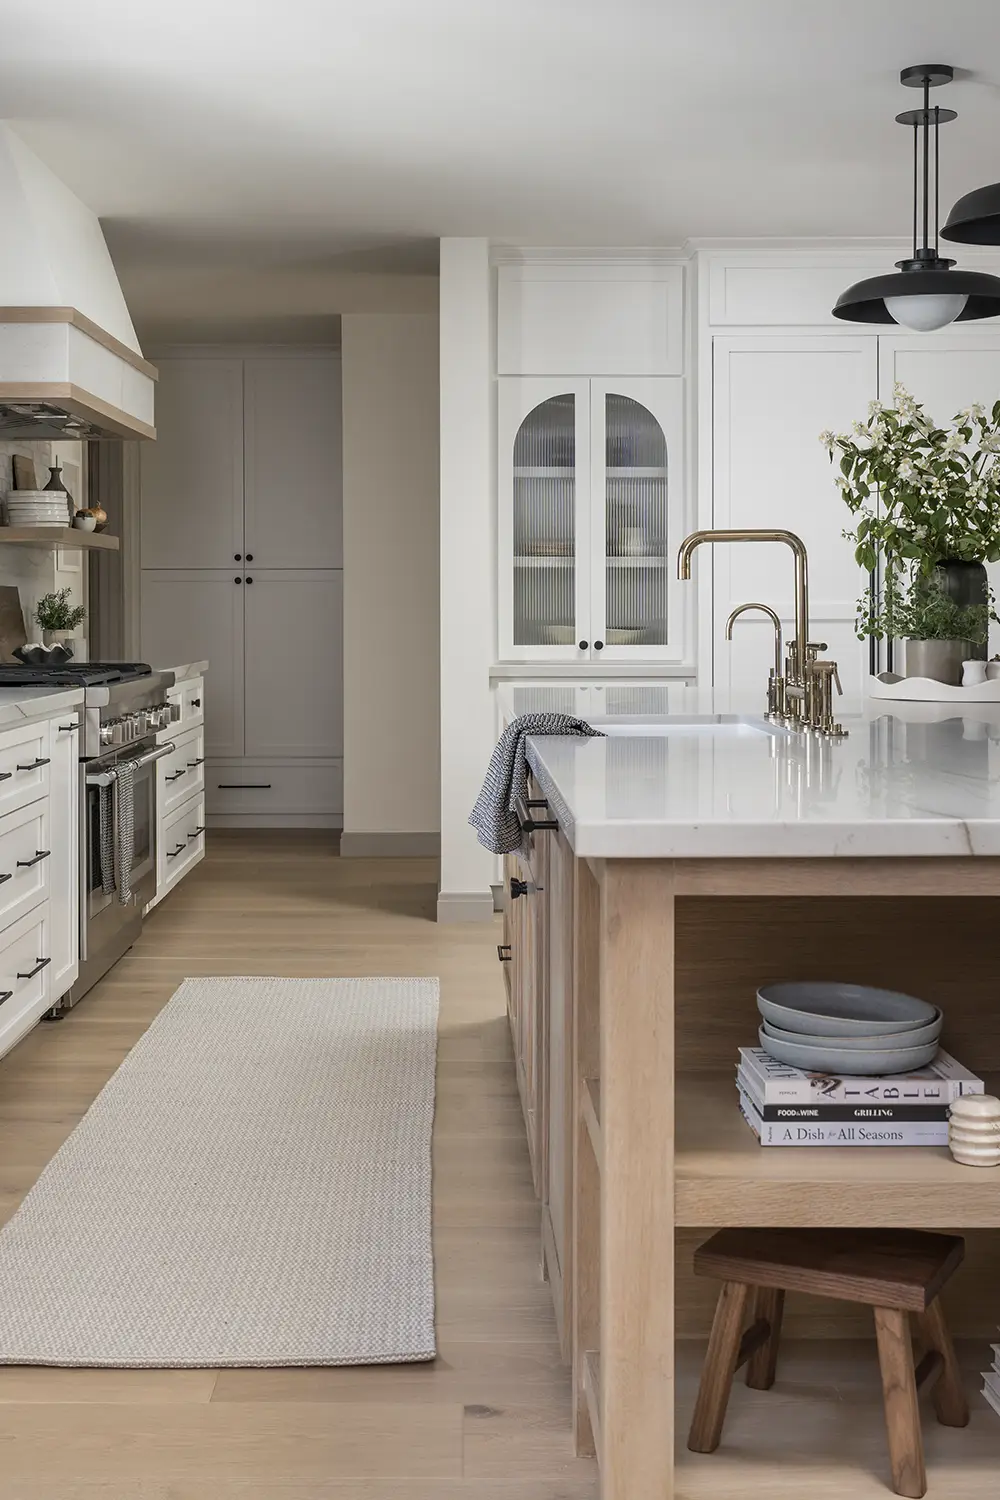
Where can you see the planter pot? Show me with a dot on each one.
(939, 660)
(967, 584)
(59, 637)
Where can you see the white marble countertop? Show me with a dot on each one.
(19, 705)
(185, 672)
(909, 780)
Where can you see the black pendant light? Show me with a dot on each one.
(975, 219)
(924, 293)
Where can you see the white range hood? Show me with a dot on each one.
(70, 363)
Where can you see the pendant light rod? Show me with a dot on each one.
(927, 156)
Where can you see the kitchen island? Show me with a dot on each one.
(677, 864)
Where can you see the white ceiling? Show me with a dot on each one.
(310, 136)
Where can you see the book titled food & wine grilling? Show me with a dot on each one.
(842, 1132)
(870, 1111)
(775, 1082)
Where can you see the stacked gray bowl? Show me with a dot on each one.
(847, 1028)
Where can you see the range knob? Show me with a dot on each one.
(107, 731)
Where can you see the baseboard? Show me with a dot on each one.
(390, 845)
(465, 906)
(274, 820)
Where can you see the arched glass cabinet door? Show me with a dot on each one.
(637, 442)
(540, 532)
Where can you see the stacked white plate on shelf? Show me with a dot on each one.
(37, 508)
(847, 1028)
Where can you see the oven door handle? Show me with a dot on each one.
(105, 778)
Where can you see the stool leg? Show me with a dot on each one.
(769, 1303)
(719, 1368)
(899, 1390)
(949, 1398)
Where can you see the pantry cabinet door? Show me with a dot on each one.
(197, 615)
(638, 518)
(293, 461)
(191, 508)
(947, 372)
(294, 663)
(543, 531)
(773, 395)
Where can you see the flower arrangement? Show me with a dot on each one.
(921, 496)
(54, 611)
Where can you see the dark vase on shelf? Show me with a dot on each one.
(55, 483)
(967, 584)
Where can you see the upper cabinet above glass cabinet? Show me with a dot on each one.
(590, 318)
(592, 510)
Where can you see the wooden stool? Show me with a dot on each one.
(894, 1271)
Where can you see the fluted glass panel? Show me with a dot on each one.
(544, 525)
(637, 537)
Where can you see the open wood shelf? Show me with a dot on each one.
(820, 1431)
(66, 537)
(723, 1177)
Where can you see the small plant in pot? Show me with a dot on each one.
(926, 507)
(58, 618)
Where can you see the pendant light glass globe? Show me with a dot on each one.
(925, 313)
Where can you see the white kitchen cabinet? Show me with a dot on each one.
(195, 615)
(25, 962)
(590, 318)
(180, 844)
(772, 396)
(192, 476)
(292, 448)
(64, 818)
(592, 509)
(294, 663)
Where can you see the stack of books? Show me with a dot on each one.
(785, 1106)
(991, 1381)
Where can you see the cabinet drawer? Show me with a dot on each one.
(182, 844)
(25, 860)
(25, 954)
(24, 765)
(287, 788)
(182, 773)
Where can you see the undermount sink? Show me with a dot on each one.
(687, 724)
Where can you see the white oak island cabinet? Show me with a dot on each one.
(694, 859)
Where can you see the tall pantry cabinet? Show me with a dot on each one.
(242, 564)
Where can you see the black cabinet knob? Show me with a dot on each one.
(518, 888)
(598, 645)
(584, 645)
(249, 557)
(237, 557)
(249, 580)
(237, 580)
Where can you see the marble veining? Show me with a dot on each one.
(910, 780)
(20, 705)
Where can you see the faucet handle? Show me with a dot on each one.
(813, 648)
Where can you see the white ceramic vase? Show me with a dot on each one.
(973, 673)
(974, 1130)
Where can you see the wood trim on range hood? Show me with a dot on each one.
(86, 325)
(81, 403)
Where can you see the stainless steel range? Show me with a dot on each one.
(125, 706)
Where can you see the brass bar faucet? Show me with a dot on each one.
(806, 690)
(776, 683)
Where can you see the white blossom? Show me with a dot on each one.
(827, 439)
(953, 442)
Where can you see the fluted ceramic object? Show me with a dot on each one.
(974, 1130)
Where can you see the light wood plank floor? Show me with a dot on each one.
(490, 1418)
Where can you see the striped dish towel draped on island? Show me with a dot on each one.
(494, 817)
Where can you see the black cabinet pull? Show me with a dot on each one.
(67, 728)
(193, 763)
(172, 853)
(177, 774)
(42, 760)
(6, 775)
(196, 702)
(39, 966)
(6, 995)
(529, 823)
(5, 878)
(197, 833)
(249, 557)
(40, 854)
(518, 888)
(584, 645)
(598, 645)
(237, 557)
(503, 952)
(243, 786)
(237, 580)
(249, 580)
